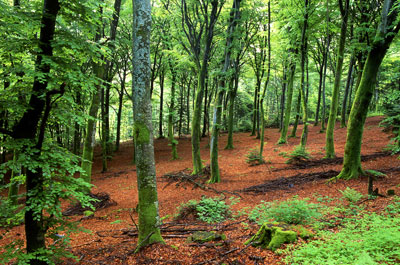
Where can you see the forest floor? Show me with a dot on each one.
(113, 237)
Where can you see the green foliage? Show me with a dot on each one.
(299, 154)
(392, 121)
(372, 239)
(394, 207)
(9, 214)
(351, 195)
(254, 158)
(209, 210)
(292, 211)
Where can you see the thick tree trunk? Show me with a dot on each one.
(149, 220)
(26, 128)
(386, 32)
(330, 146)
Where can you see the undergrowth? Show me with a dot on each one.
(209, 210)
(299, 154)
(292, 211)
(372, 239)
(254, 158)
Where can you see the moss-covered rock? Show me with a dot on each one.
(272, 236)
(205, 236)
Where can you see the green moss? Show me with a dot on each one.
(272, 236)
(141, 133)
(303, 232)
(205, 236)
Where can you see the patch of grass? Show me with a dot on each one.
(372, 239)
(292, 211)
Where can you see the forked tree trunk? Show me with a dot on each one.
(330, 146)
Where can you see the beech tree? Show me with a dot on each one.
(149, 219)
(387, 30)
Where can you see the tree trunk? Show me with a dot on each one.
(214, 167)
(160, 120)
(297, 118)
(385, 34)
(231, 105)
(172, 141)
(330, 146)
(149, 219)
(347, 91)
(260, 158)
(26, 128)
(288, 108)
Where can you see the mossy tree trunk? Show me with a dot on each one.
(347, 92)
(261, 159)
(234, 17)
(330, 146)
(297, 117)
(288, 107)
(386, 32)
(232, 96)
(206, 27)
(172, 141)
(149, 220)
(303, 61)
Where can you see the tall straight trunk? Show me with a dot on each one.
(325, 67)
(346, 92)
(188, 106)
(103, 133)
(90, 136)
(214, 166)
(282, 105)
(77, 130)
(297, 118)
(205, 109)
(119, 112)
(181, 92)
(14, 185)
(149, 219)
(320, 71)
(232, 96)
(387, 30)
(288, 107)
(171, 111)
(260, 157)
(330, 146)
(254, 117)
(203, 69)
(303, 66)
(160, 119)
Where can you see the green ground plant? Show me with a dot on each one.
(292, 211)
(372, 239)
(209, 210)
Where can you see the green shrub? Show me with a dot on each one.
(254, 158)
(351, 195)
(394, 207)
(292, 211)
(372, 239)
(299, 154)
(209, 210)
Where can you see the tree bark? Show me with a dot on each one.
(386, 32)
(330, 146)
(149, 219)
